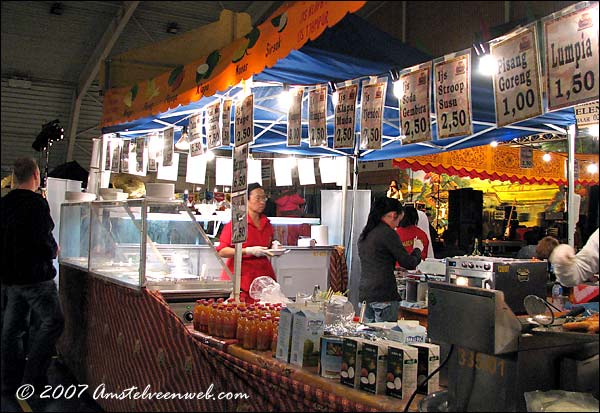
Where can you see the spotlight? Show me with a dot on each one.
(494, 144)
(592, 168)
(546, 157)
(487, 65)
(286, 96)
(51, 132)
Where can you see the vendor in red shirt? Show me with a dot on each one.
(255, 261)
(408, 231)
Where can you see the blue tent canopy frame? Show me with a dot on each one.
(351, 50)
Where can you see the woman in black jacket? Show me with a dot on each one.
(379, 248)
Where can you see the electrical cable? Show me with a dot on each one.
(433, 373)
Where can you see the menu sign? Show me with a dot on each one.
(244, 121)
(415, 107)
(167, 152)
(213, 123)
(526, 157)
(345, 117)
(125, 156)
(154, 144)
(239, 221)
(517, 85)
(116, 156)
(195, 135)
(587, 114)
(371, 123)
(226, 122)
(453, 95)
(140, 149)
(572, 57)
(317, 117)
(240, 168)
(294, 126)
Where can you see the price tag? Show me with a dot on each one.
(294, 126)
(141, 156)
(155, 144)
(345, 117)
(244, 121)
(371, 119)
(317, 117)
(226, 122)
(116, 156)
(572, 57)
(415, 108)
(167, 151)
(239, 220)
(517, 85)
(453, 95)
(240, 168)
(526, 157)
(213, 123)
(125, 156)
(195, 135)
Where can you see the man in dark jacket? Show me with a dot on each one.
(28, 249)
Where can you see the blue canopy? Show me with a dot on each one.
(351, 50)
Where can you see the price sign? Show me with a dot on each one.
(345, 117)
(154, 146)
(116, 156)
(294, 126)
(517, 85)
(371, 117)
(572, 57)
(140, 155)
(240, 168)
(453, 95)
(167, 152)
(239, 220)
(317, 117)
(213, 123)
(226, 122)
(195, 135)
(125, 156)
(587, 114)
(526, 157)
(107, 144)
(244, 121)
(415, 107)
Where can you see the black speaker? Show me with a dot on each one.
(465, 212)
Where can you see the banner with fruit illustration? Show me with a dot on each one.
(289, 28)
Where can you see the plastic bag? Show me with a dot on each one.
(560, 401)
(267, 290)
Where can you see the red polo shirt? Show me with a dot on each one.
(407, 236)
(252, 267)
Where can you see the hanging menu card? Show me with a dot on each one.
(517, 85)
(125, 156)
(345, 117)
(294, 126)
(213, 123)
(239, 220)
(195, 135)
(240, 168)
(371, 123)
(226, 122)
(167, 152)
(572, 57)
(244, 121)
(453, 95)
(317, 117)
(116, 156)
(415, 103)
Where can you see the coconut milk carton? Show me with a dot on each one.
(429, 360)
(401, 377)
(306, 337)
(373, 367)
(351, 361)
(284, 333)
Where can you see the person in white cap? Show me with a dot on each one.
(572, 269)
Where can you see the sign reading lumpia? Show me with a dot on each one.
(294, 125)
(317, 117)
(195, 135)
(167, 152)
(239, 222)
(244, 121)
(226, 122)
(572, 57)
(415, 107)
(240, 168)
(453, 95)
(345, 117)
(371, 118)
(517, 85)
(213, 123)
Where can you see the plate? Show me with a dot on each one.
(278, 252)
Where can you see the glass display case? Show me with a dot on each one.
(148, 243)
(74, 234)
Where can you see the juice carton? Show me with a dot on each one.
(373, 367)
(331, 356)
(306, 337)
(429, 360)
(284, 333)
(401, 377)
(351, 361)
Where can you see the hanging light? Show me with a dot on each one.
(183, 144)
(209, 155)
(546, 157)
(285, 97)
(334, 93)
(592, 168)
(487, 64)
(494, 144)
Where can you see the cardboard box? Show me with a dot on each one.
(331, 356)
(307, 330)
(284, 333)
(374, 367)
(351, 361)
(429, 360)
(401, 377)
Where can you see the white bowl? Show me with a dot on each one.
(160, 191)
(105, 191)
(76, 196)
(115, 196)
